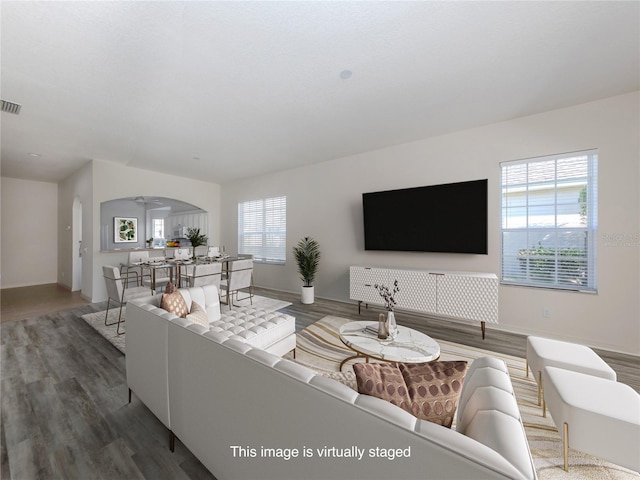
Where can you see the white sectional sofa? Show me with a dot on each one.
(245, 412)
(147, 336)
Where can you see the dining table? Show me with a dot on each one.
(178, 269)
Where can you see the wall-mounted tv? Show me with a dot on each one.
(448, 218)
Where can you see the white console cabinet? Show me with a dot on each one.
(461, 295)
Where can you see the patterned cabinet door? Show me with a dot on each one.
(417, 290)
(472, 297)
(361, 282)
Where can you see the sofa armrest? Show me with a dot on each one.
(504, 434)
(146, 357)
(488, 412)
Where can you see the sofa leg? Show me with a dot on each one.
(129, 395)
(172, 441)
(539, 388)
(294, 353)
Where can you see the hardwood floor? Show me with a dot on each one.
(23, 302)
(64, 407)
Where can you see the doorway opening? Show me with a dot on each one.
(76, 245)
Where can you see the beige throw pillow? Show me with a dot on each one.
(429, 391)
(173, 301)
(198, 315)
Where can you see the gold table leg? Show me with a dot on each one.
(353, 357)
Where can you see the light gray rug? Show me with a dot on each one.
(96, 320)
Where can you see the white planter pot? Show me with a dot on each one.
(307, 295)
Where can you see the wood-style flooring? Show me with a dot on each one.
(23, 302)
(64, 410)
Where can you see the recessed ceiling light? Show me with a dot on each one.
(34, 155)
(195, 158)
(346, 74)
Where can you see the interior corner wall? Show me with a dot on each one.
(325, 201)
(29, 232)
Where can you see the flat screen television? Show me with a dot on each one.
(448, 218)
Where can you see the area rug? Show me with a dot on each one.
(319, 348)
(96, 320)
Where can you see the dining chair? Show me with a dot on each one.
(134, 263)
(181, 254)
(213, 252)
(201, 251)
(157, 273)
(118, 292)
(204, 274)
(239, 276)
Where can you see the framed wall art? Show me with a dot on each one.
(125, 229)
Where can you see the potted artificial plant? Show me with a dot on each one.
(196, 239)
(307, 254)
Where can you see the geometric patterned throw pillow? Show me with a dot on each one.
(434, 389)
(382, 380)
(173, 301)
(429, 391)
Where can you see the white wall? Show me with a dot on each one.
(324, 201)
(78, 185)
(111, 181)
(29, 233)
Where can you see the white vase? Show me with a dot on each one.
(307, 294)
(392, 326)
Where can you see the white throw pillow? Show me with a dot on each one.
(198, 315)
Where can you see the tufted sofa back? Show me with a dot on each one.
(206, 296)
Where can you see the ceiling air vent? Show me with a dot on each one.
(10, 107)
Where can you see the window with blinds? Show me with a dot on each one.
(550, 221)
(158, 228)
(262, 229)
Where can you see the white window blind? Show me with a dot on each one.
(262, 229)
(550, 221)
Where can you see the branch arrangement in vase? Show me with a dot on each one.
(388, 295)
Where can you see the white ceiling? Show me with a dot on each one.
(224, 90)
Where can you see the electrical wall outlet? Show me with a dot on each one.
(546, 312)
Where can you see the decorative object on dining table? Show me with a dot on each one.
(196, 239)
(125, 229)
(307, 255)
(388, 296)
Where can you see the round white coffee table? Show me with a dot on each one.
(410, 346)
